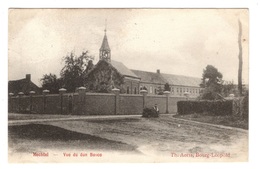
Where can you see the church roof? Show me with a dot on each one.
(181, 80)
(150, 77)
(105, 45)
(122, 69)
(162, 78)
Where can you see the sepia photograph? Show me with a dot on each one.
(131, 85)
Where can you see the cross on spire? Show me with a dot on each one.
(105, 26)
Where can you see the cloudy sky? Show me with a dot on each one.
(176, 41)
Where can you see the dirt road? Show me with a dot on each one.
(161, 139)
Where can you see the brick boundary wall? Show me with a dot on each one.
(82, 103)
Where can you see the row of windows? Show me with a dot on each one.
(182, 90)
(173, 89)
(156, 90)
(128, 90)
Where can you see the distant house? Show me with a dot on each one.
(23, 85)
(107, 74)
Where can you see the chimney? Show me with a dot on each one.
(28, 77)
(158, 71)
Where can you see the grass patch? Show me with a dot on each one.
(226, 120)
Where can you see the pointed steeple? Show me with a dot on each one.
(104, 51)
(105, 45)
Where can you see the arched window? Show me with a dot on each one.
(135, 90)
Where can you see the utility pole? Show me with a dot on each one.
(240, 59)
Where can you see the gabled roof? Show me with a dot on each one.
(181, 80)
(105, 45)
(150, 77)
(162, 78)
(122, 69)
(22, 85)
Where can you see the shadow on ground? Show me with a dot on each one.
(33, 137)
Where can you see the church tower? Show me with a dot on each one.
(104, 51)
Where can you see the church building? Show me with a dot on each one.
(108, 74)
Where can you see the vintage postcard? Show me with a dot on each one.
(128, 85)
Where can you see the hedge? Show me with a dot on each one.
(211, 107)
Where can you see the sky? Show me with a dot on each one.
(176, 41)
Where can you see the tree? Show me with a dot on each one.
(212, 82)
(240, 59)
(167, 87)
(73, 71)
(160, 90)
(210, 76)
(90, 66)
(228, 88)
(51, 83)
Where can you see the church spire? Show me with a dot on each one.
(104, 51)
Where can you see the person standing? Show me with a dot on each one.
(155, 107)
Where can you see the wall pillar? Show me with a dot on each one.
(82, 99)
(131, 87)
(82, 93)
(138, 88)
(116, 92)
(45, 92)
(20, 94)
(10, 104)
(144, 93)
(31, 100)
(167, 94)
(61, 91)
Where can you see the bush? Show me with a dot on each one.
(195, 115)
(245, 105)
(150, 112)
(212, 107)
